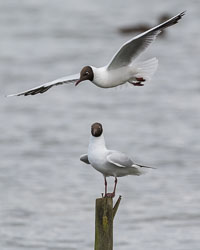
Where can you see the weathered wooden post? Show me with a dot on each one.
(104, 216)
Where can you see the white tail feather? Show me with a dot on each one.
(147, 68)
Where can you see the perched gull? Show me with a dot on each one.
(108, 162)
(121, 68)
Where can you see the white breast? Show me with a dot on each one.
(111, 78)
(97, 153)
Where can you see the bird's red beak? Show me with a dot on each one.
(78, 82)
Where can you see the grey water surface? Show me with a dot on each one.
(47, 195)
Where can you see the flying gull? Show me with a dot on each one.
(121, 69)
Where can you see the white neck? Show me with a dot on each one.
(100, 76)
(97, 142)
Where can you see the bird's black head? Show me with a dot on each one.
(85, 74)
(96, 129)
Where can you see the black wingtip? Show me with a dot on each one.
(179, 16)
(182, 14)
(142, 166)
(36, 91)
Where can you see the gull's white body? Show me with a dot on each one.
(105, 78)
(108, 79)
(110, 162)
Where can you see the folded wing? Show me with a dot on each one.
(84, 158)
(44, 87)
(138, 44)
(119, 159)
(122, 160)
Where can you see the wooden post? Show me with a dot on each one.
(104, 223)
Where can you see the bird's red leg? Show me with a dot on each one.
(112, 195)
(140, 79)
(105, 182)
(115, 187)
(137, 84)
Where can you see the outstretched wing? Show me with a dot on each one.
(138, 44)
(84, 158)
(44, 87)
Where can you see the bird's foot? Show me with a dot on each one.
(137, 84)
(140, 79)
(110, 195)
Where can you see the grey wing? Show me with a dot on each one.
(44, 87)
(84, 158)
(119, 159)
(138, 44)
(122, 160)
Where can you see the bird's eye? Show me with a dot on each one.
(86, 73)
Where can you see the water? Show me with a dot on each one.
(47, 195)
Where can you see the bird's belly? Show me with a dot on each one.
(107, 169)
(111, 170)
(97, 164)
(102, 170)
(114, 78)
(100, 165)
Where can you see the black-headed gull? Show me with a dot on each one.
(121, 68)
(108, 162)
